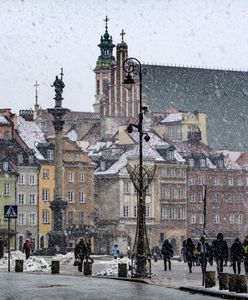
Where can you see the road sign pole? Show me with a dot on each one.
(8, 244)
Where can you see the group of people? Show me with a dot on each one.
(218, 251)
(82, 251)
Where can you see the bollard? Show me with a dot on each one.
(241, 284)
(87, 268)
(19, 265)
(232, 282)
(210, 279)
(55, 267)
(122, 270)
(223, 281)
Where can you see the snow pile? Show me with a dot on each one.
(33, 264)
(113, 270)
(68, 258)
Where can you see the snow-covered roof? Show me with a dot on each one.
(173, 117)
(72, 135)
(3, 120)
(31, 135)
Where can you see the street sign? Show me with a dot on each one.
(10, 211)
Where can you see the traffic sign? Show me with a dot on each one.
(10, 211)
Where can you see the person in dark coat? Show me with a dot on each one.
(167, 252)
(190, 247)
(245, 254)
(236, 255)
(80, 253)
(27, 248)
(203, 253)
(220, 251)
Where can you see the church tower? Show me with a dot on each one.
(104, 65)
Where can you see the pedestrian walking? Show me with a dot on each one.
(115, 251)
(129, 252)
(80, 252)
(167, 252)
(203, 253)
(220, 251)
(245, 254)
(190, 247)
(1, 248)
(236, 256)
(183, 251)
(27, 248)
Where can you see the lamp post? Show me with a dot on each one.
(204, 263)
(141, 247)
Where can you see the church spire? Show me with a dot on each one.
(106, 46)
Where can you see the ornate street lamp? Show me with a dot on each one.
(140, 176)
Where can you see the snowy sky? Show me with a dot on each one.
(38, 37)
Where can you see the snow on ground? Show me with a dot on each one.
(33, 264)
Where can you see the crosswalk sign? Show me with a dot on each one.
(10, 211)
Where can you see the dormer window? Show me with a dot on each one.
(102, 165)
(31, 159)
(50, 154)
(202, 162)
(221, 163)
(191, 162)
(170, 155)
(5, 166)
(20, 159)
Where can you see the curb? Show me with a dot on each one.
(216, 293)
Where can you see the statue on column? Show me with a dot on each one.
(58, 87)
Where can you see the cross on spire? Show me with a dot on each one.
(106, 20)
(36, 92)
(122, 35)
(61, 73)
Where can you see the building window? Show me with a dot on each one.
(181, 192)
(163, 213)
(201, 180)
(81, 197)
(20, 159)
(173, 192)
(216, 197)
(98, 87)
(192, 219)
(45, 194)
(6, 189)
(216, 219)
(5, 166)
(149, 190)
(32, 179)
(126, 187)
(163, 173)
(45, 174)
(230, 198)
(81, 218)
(6, 135)
(231, 218)
(71, 177)
(191, 162)
(172, 212)
(70, 196)
(240, 219)
(81, 177)
(200, 197)
(201, 220)
(21, 179)
(125, 211)
(32, 199)
(147, 211)
(50, 154)
(216, 181)
(102, 165)
(135, 211)
(191, 181)
(70, 217)
(21, 199)
(202, 162)
(239, 198)
(30, 159)
(178, 132)
(170, 155)
(181, 212)
(240, 182)
(21, 219)
(230, 181)
(192, 197)
(32, 219)
(45, 216)
(221, 163)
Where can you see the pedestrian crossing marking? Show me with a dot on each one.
(10, 211)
